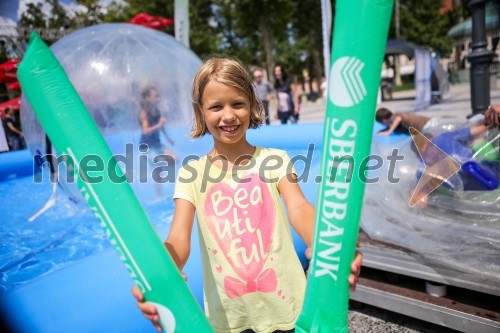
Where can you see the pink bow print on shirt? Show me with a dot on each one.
(266, 282)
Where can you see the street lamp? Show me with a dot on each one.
(480, 59)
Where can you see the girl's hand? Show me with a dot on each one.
(148, 310)
(355, 267)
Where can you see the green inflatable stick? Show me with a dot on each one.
(359, 42)
(75, 136)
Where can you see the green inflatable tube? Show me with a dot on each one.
(359, 41)
(75, 136)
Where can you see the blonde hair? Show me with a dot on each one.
(229, 72)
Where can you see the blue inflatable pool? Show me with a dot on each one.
(60, 274)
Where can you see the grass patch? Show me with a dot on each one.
(405, 86)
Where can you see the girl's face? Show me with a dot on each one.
(153, 96)
(226, 112)
(277, 71)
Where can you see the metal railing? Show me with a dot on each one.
(16, 32)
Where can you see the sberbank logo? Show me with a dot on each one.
(346, 86)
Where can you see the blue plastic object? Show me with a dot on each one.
(481, 176)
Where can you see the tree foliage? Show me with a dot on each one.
(204, 36)
(93, 14)
(58, 17)
(259, 32)
(262, 24)
(116, 12)
(33, 16)
(433, 34)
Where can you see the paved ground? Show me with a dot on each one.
(367, 319)
(456, 106)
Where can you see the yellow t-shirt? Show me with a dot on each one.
(252, 276)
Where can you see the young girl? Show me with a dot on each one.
(287, 98)
(253, 280)
(152, 122)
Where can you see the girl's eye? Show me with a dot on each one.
(214, 107)
(238, 105)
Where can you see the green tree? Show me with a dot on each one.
(116, 12)
(4, 56)
(230, 41)
(423, 24)
(307, 23)
(33, 16)
(58, 16)
(263, 25)
(457, 15)
(204, 36)
(92, 15)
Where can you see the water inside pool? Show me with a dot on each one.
(67, 232)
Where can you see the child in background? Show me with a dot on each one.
(253, 279)
(152, 122)
(401, 122)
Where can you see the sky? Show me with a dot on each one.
(10, 10)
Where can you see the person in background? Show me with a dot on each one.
(388, 86)
(152, 123)
(15, 136)
(264, 91)
(402, 121)
(324, 88)
(287, 106)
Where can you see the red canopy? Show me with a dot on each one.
(10, 65)
(8, 70)
(150, 21)
(14, 86)
(14, 104)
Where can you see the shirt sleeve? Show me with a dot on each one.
(462, 135)
(284, 165)
(184, 185)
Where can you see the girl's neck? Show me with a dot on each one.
(235, 153)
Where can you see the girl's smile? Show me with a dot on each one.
(226, 112)
(230, 129)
